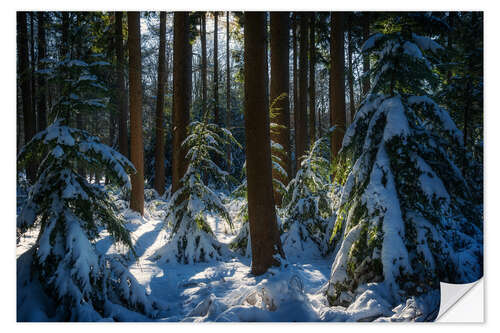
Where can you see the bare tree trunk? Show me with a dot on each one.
(312, 77)
(280, 31)
(32, 66)
(366, 57)
(350, 78)
(203, 38)
(136, 143)
(42, 82)
(25, 78)
(120, 81)
(228, 92)
(216, 69)
(301, 131)
(159, 183)
(337, 84)
(264, 234)
(182, 95)
(295, 91)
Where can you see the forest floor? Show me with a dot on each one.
(217, 290)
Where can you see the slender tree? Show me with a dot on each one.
(264, 234)
(312, 79)
(337, 84)
(350, 77)
(25, 80)
(301, 130)
(295, 89)
(159, 182)
(280, 30)
(182, 95)
(216, 69)
(120, 82)
(136, 143)
(42, 82)
(203, 37)
(228, 92)
(366, 56)
(33, 67)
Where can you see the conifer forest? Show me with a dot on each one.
(247, 166)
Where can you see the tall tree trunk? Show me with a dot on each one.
(216, 69)
(312, 81)
(228, 92)
(25, 79)
(136, 143)
(120, 82)
(32, 66)
(264, 234)
(203, 38)
(301, 130)
(295, 91)
(366, 57)
(65, 35)
(280, 31)
(451, 23)
(42, 82)
(337, 84)
(182, 95)
(159, 183)
(64, 54)
(350, 77)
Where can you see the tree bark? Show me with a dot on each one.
(228, 92)
(264, 234)
(32, 68)
(366, 57)
(136, 143)
(42, 82)
(216, 69)
(159, 182)
(182, 95)
(301, 131)
(280, 31)
(312, 79)
(337, 84)
(203, 38)
(295, 91)
(25, 80)
(350, 78)
(120, 81)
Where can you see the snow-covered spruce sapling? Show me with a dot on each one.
(405, 218)
(307, 204)
(192, 239)
(70, 213)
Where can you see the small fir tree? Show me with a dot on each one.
(192, 239)
(70, 213)
(307, 203)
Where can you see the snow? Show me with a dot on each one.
(412, 50)
(370, 42)
(380, 196)
(397, 123)
(207, 291)
(426, 43)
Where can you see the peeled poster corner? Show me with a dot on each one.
(462, 303)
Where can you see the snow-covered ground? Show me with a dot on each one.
(217, 290)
